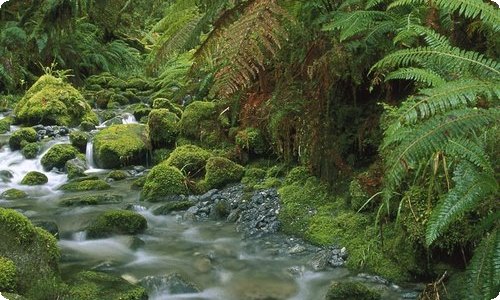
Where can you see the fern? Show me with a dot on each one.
(468, 8)
(483, 273)
(471, 188)
(432, 38)
(426, 76)
(471, 152)
(354, 23)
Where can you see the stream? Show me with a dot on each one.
(210, 254)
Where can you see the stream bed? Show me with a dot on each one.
(210, 254)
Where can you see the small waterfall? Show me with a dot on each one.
(128, 118)
(89, 155)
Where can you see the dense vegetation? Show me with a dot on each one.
(384, 113)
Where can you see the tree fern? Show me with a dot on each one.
(425, 76)
(353, 23)
(471, 188)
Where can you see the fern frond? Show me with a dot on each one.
(426, 76)
(451, 58)
(483, 273)
(471, 188)
(353, 23)
(373, 3)
(426, 138)
(468, 8)
(431, 37)
(470, 151)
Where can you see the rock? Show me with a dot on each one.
(5, 124)
(117, 175)
(197, 118)
(319, 261)
(85, 185)
(141, 110)
(52, 101)
(159, 103)
(162, 126)
(34, 178)
(350, 291)
(6, 176)
(220, 209)
(76, 167)
(296, 249)
(8, 275)
(33, 250)
(98, 285)
(22, 137)
(172, 206)
(31, 150)
(173, 283)
(190, 158)
(121, 145)
(163, 181)
(13, 194)
(233, 216)
(91, 200)
(79, 140)
(117, 222)
(50, 226)
(221, 171)
(203, 264)
(57, 156)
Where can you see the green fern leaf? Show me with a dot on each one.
(426, 76)
(471, 187)
(353, 23)
(470, 151)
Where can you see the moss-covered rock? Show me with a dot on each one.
(31, 150)
(221, 171)
(76, 167)
(97, 285)
(13, 194)
(189, 158)
(164, 103)
(121, 145)
(86, 185)
(58, 155)
(117, 222)
(94, 199)
(253, 177)
(34, 178)
(251, 140)
(163, 182)
(199, 121)
(350, 291)
(33, 250)
(5, 125)
(51, 101)
(7, 275)
(22, 137)
(138, 183)
(141, 110)
(172, 206)
(117, 175)
(79, 140)
(162, 127)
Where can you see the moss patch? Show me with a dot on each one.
(162, 182)
(172, 206)
(34, 178)
(57, 156)
(31, 150)
(189, 158)
(121, 145)
(79, 140)
(8, 275)
(85, 184)
(13, 194)
(117, 175)
(117, 222)
(52, 101)
(199, 122)
(96, 285)
(251, 140)
(162, 126)
(91, 200)
(21, 138)
(350, 291)
(5, 125)
(221, 171)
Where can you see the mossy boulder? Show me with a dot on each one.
(91, 184)
(76, 167)
(13, 194)
(117, 222)
(253, 177)
(34, 178)
(121, 145)
(58, 155)
(51, 101)
(33, 250)
(79, 140)
(5, 125)
(189, 158)
(97, 285)
(141, 110)
(163, 183)
(31, 150)
(169, 207)
(350, 291)
(21, 138)
(251, 140)
(94, 199)
(8, 274)
(162, 127)
(221, 171)
(164, 103)
(117, 175)
(199, 120)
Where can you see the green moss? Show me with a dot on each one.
(13, 194)
(31, 150)
(34, 178)
(86, 185)
(350, 291)
(221, 171)
(58, 155)
(199, 121)
(172, 206)
(358, 197)
(163, 181)
(79, 140)
(269, 182)
(141, 110)
(91, 200)
(165, 103)
(162, 126)
(253, 177)
(118, 99)
(5, 125)
(138, 183)
(297, 174)
(51, 101)
(117, 222)
(22, 137)
(117, 175)
(251, 140)
(87, 126)
(160, 155)
(33, 250)
(190, 159)
(96, 285)
(121, 145)
(76, 167)
(8, 275)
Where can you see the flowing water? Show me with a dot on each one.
(210, 254)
